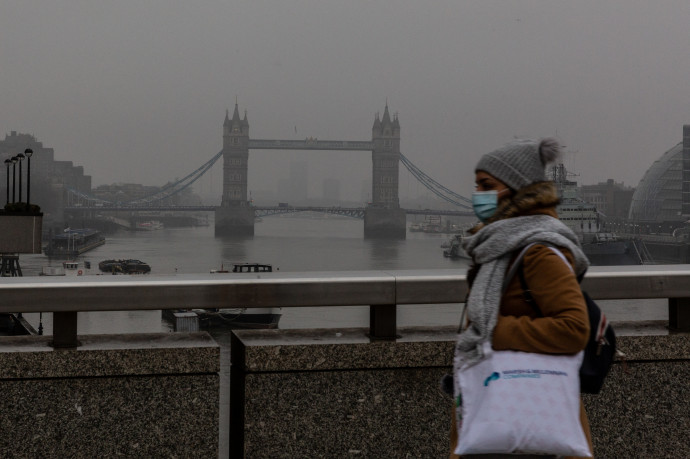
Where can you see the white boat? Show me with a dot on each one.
(68, 268)
(151, 225)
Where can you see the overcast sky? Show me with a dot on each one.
(137, 91)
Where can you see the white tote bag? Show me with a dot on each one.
(522, 403)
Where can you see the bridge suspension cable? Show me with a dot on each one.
(432, 185)
(175, 187)
(165, 192)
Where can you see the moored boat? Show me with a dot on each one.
(148, 226)
(128, 266)
(255, 318)
(454, 248)
(415, 228)
(73, 242)
(602, 248)
(68, 268)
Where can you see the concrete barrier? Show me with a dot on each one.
(145, 395)
(333, 393)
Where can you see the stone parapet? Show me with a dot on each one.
(644, 407)
(333, 393)
(143, 395)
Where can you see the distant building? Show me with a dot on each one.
(610, 198)
(659, 198)
(298, 181)
(331, 191)
(50, 179)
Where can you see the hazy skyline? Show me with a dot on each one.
(137, 92)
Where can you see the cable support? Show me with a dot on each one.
(433, 185)
(160, 194)
(434, 182)
(407, 162)
(88, 197)
(206, 165)
(194, 176)
(437, 192)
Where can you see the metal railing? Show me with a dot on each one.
(381, 290)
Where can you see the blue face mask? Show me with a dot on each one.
(484, 204)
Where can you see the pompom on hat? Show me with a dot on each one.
(520, 163)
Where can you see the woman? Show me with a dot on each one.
(517, 207)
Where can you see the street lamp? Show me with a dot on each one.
(14, 177)
(28, 152)
(20, 157)
(8, 161)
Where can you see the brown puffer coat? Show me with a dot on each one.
(564, 325)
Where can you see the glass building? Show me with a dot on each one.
(657, 199)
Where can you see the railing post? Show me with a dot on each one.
(679, 314)
(237, 396)
(65, 330)
(383, 322)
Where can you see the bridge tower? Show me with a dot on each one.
(235, 216)
(383, 216)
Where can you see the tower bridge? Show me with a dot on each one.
(383, 216)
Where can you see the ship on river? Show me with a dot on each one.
(129, 266)
(71, 243)
(453, 247)
(603, 248)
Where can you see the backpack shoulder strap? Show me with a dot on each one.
(517, 266)
(517, 263)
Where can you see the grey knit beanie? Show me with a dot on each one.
(520, 163)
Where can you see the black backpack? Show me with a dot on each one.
(601, 346)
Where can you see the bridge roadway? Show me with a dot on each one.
(262, 211)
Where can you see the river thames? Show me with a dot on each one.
(292, 242)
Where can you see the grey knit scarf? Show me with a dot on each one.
(492, 248)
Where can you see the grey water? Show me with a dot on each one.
(292, 242)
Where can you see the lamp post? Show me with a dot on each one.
(8, 161)
(20, 157)
(28, 152)
(14, 177)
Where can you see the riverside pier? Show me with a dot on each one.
(369, 392)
